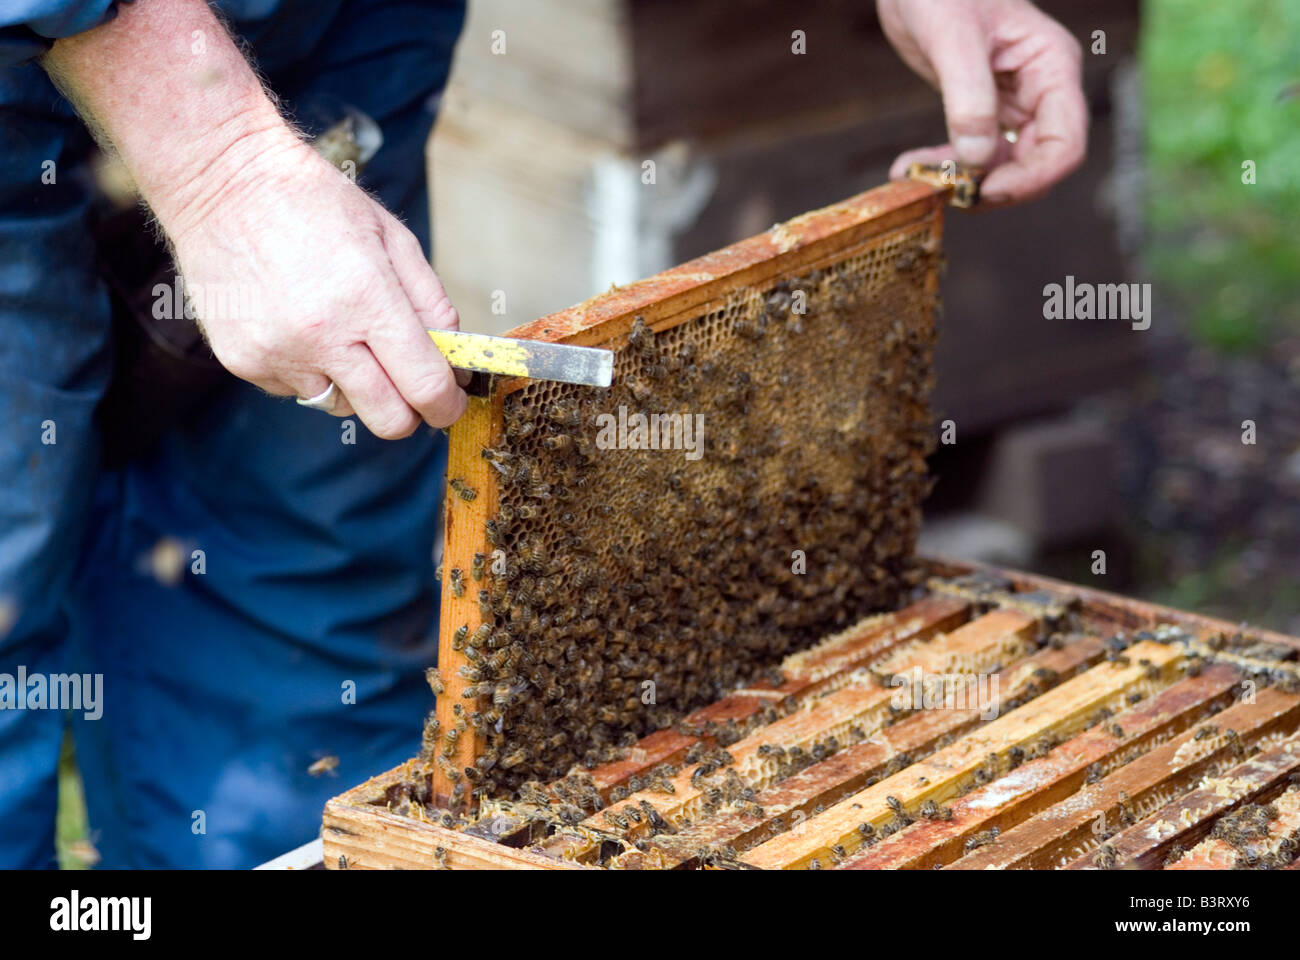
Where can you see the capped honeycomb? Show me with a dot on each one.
(750, 483)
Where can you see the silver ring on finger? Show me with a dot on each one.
(323, 401)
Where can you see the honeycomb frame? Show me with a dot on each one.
(886, 242)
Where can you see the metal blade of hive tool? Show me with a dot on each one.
(533, 359)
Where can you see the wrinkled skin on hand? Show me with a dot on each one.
(342, 289)
(999, 65)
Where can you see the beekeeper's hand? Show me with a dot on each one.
(339, 290)
(1000, 65)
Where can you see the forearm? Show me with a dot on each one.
(167, 87)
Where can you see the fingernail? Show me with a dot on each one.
(975, 150)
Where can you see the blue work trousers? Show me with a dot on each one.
(304, 611)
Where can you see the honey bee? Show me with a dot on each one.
(476, 568)
(615, 820)
(447, 767)
(343, 862)
(933, 811)
(1104, 859)
(457, 583)
(431, 726)
(520, 429)
(435, 681)
(323, 766)
(641, 338)
(565, 415)
(1126, 814)
(458, 638)
(982, 839)
(463, 490)
(498, 458)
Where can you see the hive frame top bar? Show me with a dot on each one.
(681, 290)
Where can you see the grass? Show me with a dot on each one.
(72, 841)
(1223, 88)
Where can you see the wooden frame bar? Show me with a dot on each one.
(1184, 822)
(1065, 831)
(1059, 712)
(1039, 783)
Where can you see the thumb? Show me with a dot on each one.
(970, 95)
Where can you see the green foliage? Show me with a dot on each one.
(1223, 87)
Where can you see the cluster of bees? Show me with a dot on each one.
(639, 584)
(1247, 830)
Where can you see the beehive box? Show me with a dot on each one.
(686, 653)
(1078, 730)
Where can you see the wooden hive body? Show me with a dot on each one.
(1125, 735)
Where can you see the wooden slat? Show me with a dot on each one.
(825, 783)
(688, 290)
(465, 525)
(1064, 831)
(1041, 782)
(375, 839)
(972, 648)
(1215, 854)
(1185, 821)
(1059, 712)
(1110, 610)
(357, 827)
(805, 674)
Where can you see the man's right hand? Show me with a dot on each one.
(343, 290)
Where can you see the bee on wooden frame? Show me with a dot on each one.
(462, 489)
